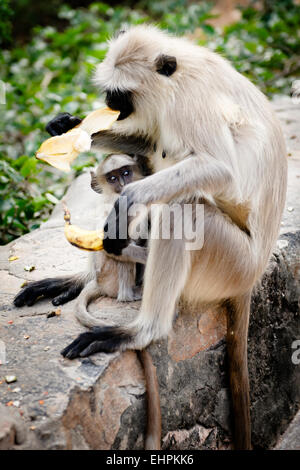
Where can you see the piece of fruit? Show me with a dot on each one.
(90, 240)
(99, 120)
(61, 150)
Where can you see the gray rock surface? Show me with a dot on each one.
(290, 440)
(99, 402)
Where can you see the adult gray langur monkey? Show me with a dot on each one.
(213, 139)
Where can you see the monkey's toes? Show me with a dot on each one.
(78, 345)
(73, 349)
(27, 296)
(18, 300)
(62, 299)
(100, 339)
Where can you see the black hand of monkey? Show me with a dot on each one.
(62, 123)
(116, 227)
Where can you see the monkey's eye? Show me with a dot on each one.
(126, 173)
(111, 179)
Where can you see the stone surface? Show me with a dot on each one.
(290, 440)
(99, 402)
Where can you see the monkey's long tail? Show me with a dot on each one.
(238, 312)
(89, 293)
(153, 434)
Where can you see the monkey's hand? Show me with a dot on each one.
(116, 228)
(116, 237)
(62, 123)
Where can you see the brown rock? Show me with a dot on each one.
(187, 340)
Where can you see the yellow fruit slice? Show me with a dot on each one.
(61, 150)
(99, 120)
(90, 240)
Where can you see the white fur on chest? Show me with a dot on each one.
(164, 157)
(160, 163)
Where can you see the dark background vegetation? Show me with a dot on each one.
(49, 51)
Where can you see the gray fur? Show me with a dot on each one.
(111, 141)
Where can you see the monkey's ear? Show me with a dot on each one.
(166, 65)
(94, 183)
(120, 32)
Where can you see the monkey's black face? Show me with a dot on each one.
(119, 178)
(120, 101)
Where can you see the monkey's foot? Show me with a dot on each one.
(99, 339)
(35, 290)
(54, 288)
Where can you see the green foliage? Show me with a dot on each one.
(265, 46)
(20, 204)
(52, 73)
(179, 16)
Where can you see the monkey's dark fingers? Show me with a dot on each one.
(100, 339)
(28, 295)
(68, 295)
(114, 246)
(48, 288)
(79, 344)
(107, 339)
(62, 123)
(84, 340)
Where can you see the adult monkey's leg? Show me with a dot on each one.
(217, 271)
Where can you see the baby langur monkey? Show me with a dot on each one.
(117, 278)
(113, 276)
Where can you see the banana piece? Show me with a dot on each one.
(90, 240)
(99, 120)
(61, 150)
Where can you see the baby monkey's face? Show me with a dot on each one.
(119, 178)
